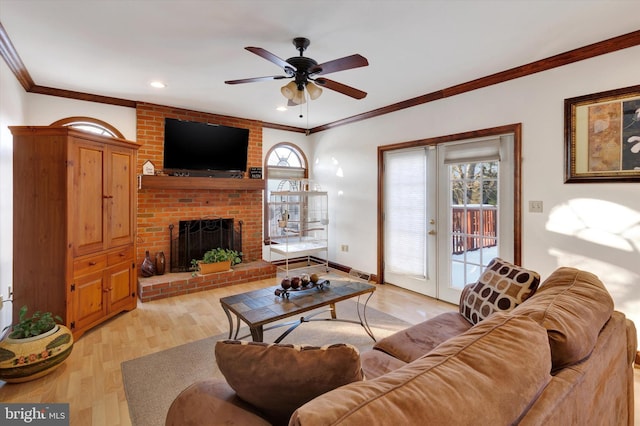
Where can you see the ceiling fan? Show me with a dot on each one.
(305, 71)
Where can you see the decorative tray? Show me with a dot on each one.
(284, 292)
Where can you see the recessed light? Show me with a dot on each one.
(281, 108)
(158, 84)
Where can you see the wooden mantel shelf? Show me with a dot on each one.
(188, 182)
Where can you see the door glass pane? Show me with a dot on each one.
(474, 219)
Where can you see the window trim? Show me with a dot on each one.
(70, 121)
(305, 169)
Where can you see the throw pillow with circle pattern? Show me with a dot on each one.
(501, 287)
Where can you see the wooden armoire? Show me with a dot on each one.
(74, 224)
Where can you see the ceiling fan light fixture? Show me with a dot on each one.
(305, 70)
(299, 97)
(314, 91)
(289, 90)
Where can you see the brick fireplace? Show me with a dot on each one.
(158, 208)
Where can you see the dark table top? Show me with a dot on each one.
(262, 306)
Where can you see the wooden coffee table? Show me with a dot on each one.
(260, 307)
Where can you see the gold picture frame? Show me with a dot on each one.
(602, 136)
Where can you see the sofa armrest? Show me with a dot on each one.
(377, 363)
(416, 341)
(211, 400)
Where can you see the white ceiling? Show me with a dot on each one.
(116, 47)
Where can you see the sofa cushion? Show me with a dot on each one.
(487, 376)
(573, 306)
(501, 287)
(278, 378)
(411, 343)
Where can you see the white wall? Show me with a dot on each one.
(42, 110)
(12, 112)
(271, 137)
(609, 245)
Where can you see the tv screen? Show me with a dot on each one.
(194, 146)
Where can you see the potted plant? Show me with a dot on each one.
(217, 260)
(35, 346)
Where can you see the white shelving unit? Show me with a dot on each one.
(298, 222)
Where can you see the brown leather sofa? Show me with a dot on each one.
(561, 357)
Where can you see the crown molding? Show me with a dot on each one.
(11, 57)
(580, 54)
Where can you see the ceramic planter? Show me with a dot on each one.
(26, 359)
(209, 268)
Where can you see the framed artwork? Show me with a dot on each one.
(602, 136)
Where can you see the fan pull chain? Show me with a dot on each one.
(308, 113)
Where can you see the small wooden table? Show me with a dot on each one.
(259, 307)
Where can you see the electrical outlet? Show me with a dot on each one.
(535, 206)
(344, 248)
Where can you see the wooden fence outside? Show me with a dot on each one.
(474, 227)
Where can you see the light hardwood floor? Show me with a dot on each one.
(90, 380)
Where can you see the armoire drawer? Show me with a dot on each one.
(115, 257)
(87, 265)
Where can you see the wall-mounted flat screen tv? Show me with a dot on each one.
(194, 146)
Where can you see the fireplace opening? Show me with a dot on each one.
(195, 237)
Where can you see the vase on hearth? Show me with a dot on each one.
(147, 269)
(160, 263)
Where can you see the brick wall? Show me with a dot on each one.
(157, 209)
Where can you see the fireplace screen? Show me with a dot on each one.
(195, 237)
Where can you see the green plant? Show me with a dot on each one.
(38, 323)
(218, 255)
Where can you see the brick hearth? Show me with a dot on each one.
(175, 284)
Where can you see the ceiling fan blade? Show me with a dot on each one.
(272, 58)
(251, 80)
(346, 63)
(342, 88)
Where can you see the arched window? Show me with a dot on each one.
(285, 165)
(90, 124)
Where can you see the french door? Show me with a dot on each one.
(409, 219)
(447, 211)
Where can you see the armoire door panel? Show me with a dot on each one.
(89, 299)
(88, 199)
(120, 190)
(120, 280)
